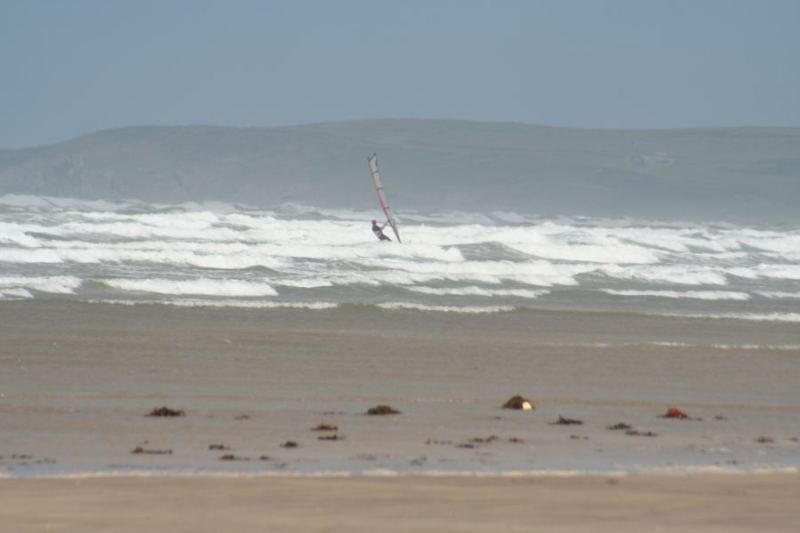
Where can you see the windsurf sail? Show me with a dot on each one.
(376, 179)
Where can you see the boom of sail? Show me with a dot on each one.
(376, 180)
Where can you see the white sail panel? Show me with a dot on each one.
(376, 180)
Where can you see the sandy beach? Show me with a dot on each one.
(79, 378)
(707, 503)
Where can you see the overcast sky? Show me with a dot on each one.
(72, 67)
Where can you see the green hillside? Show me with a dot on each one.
(737, 174)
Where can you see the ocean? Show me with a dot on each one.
(264, 323)
(296, 256)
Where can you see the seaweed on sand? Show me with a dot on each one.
(324, 427)
(382, 410)
(166, 411)
(140, 449)
(335, 436)
(231, 457)
(637, 433)
(562, 421)
(482, 440)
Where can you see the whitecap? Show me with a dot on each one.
(205, 286)
(471, 309)
(49, 284)
(758, 317)
(697, 295)
(780, 294)
(479, 291)
(245, 304)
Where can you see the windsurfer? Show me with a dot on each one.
(378, 231)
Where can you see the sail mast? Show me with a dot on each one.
(376, 180)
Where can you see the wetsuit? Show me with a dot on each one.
(378, 231)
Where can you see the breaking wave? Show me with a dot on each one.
(89, 250)
(479, 291)
(697, 295)
(243, 304)
(209, 287)
(21, 286)
(468, 309)
(758, 317)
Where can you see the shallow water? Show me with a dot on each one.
(76, 380)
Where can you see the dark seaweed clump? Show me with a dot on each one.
(562, 421)
(232, 457)
(382, 410)
(166, 411)
(637, 433)
(140, 449)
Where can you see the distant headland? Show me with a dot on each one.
(747, 174)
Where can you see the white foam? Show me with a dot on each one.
(479, 291)
(780, 294)
(696, 295)
(770, 347)
(14, 293)
(304, 283)
(541, 273)
(165, 253)
(472, 309)
(475, 256)
(743, 347)
(606, 250)
(669, 344)
(774, 241)
(678, 274)
(16, 234)
(768, 271)
(50, 284)
(615, 471)
(24, 255)
(244, 304)
(206, 286)
(758, 317)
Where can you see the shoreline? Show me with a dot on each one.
(78, 379)
(382, 473)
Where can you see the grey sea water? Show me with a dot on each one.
(219, 255)
(297, 315)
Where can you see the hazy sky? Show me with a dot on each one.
(71, 67)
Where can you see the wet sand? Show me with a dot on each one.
(705, 503)
(76, 380)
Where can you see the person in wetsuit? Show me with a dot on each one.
(378, 231)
